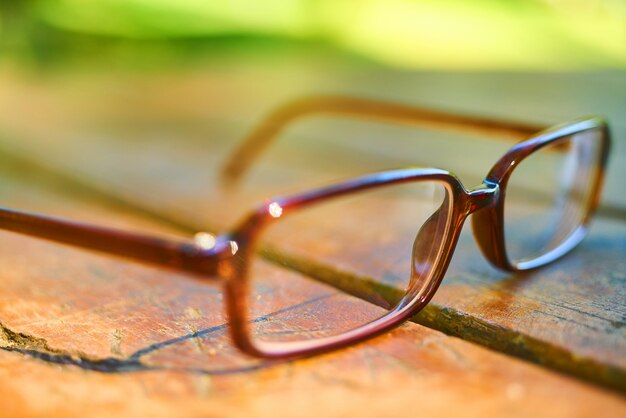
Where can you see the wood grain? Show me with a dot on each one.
(151, 153)
(85, 332)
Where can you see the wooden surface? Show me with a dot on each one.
(83, 331)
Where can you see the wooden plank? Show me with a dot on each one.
(568, 316)
(213, 107)
(528, 308)
(84, 332)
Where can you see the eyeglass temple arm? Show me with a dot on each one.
(185, 256)
(269, 128)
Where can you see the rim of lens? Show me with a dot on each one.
(578, 231)
(385, 321)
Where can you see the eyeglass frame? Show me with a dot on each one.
(227, 259)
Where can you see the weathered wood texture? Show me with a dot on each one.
(568, 317)
(82, 332)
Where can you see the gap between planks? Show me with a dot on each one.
(444, 319)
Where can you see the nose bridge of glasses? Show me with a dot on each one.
(482, 196)
(428, 247)
(487, 223)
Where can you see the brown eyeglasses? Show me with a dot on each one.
(319, 270)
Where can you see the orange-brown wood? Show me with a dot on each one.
(84, 332)
(567, 317)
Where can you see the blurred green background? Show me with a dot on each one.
(145, 99)
(428, 34)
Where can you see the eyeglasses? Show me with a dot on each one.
(319, 270)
